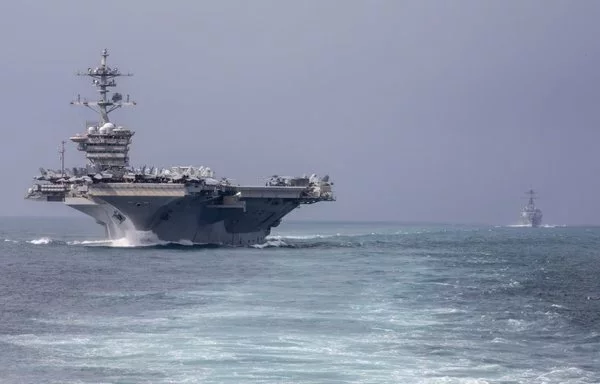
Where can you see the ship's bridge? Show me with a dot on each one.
(105, 145)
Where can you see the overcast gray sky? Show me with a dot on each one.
(443, 111)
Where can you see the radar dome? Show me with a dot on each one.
(107, 128)
(91, 129)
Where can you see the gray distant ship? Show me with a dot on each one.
(530, 214)
(177, 204)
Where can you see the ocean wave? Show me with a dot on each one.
(318, 236)
(271, 244)
(41, 241)
(299, 237)
(414, 240)
(140, 240)
(147, 239)
(134, 240)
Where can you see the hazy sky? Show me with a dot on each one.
(422, 110)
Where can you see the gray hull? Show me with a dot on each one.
(531, 218)
(174, 215)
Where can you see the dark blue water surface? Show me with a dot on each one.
(319, 303)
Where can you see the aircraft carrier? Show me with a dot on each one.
(531, 215)
(183, 204)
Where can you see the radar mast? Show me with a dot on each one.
(531, 194)
(104, 78)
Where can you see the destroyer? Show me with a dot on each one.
(178, 204)
(530, 215)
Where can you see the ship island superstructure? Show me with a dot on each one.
(530, 214)
(177, 204)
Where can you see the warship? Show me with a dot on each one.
(184, 204)
(530, 215)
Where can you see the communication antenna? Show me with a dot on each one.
(61, 151)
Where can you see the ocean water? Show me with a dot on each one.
(318, 303)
